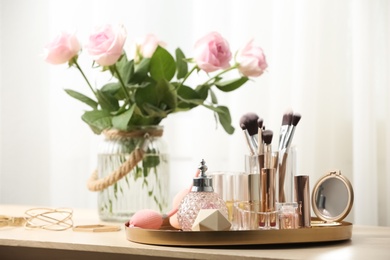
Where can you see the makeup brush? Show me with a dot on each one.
(249, 120)
(247, 139)
(267, 179)
(251, 125)
(283, 155)
(267, 138)
(294, 122)
(286, 122)
(260, 147)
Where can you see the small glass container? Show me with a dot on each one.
(202, 196)
(288, 215)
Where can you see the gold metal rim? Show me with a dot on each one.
(248, 237)
(331, 175)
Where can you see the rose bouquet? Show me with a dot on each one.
(150, 85)
(145, 86)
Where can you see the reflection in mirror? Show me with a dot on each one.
(332, 197)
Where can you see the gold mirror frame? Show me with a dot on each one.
(333, 175)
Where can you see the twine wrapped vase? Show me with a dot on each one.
(132, 173)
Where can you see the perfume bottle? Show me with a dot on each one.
(202, 196)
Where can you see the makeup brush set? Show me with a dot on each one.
(257, 137)
(275, 170)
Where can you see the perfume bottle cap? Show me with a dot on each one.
(203, 182)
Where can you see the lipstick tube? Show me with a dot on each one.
(302, 197)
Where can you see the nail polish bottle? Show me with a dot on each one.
(202, 196)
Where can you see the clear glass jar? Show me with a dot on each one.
(146, 186)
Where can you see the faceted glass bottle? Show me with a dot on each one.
(202, 196)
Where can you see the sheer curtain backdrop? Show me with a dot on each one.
(328, 60)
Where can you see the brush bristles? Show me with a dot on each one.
(267, 136)
(260, 123)
(295, 119)
(242, 119)
(242, 125)
(287, 117)
(250, 122)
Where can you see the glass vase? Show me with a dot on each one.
(145, 186)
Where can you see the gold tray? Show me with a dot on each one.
(169, 237)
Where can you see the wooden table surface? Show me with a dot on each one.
(368, 242)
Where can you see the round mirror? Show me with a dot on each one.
(332, 197)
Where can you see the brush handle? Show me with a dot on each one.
(260, 146)
(249, 143)
(268, 156)
(289, 137)
(254, 141)
(282, 174)
(282, 135)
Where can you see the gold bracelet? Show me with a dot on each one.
(51, 219)
(11, 221)
(97, 228)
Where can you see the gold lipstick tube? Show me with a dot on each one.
(302, 197)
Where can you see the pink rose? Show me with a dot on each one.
(106, 44)
(212, 52)
(64, 47)
(145, 47)
(251, 60)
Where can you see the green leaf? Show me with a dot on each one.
(214, 99)
(224, 117)
(98, 120)
(157, 94)
(188, 98)
(162, 65)
(141, 71)
(167, 94)
(153, 111)
(146, 94)
(107, 101)
(125, 68)
(181, 64)
(81, 97)
(115, 90)
(151, 160)
(231, 85)
(121, 121)
(138, 119)
(111, 88)
(203, 91)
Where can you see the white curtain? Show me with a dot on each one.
(328, 60)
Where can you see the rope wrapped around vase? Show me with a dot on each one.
(95, 184)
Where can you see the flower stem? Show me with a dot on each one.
(219, 74)
(74, 60)
(186, 77)
(122, 83)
